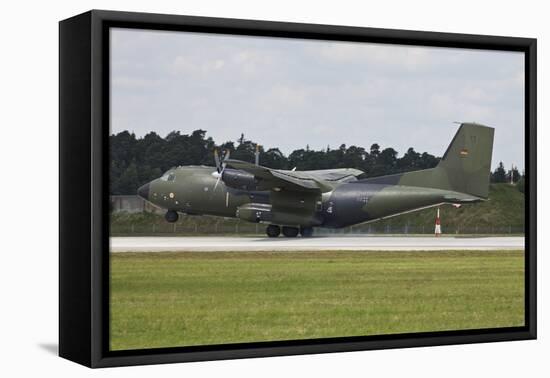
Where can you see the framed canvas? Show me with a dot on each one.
(235, 188)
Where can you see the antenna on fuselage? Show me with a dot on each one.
(257, 155)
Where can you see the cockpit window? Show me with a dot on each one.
(168, 176)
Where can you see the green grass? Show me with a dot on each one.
(181, 299)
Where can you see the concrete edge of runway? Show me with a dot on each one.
(362, 243)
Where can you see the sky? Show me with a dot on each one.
(289, 93)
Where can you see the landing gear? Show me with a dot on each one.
(273, 231)
(290, 232)
(306, 232)
(171, 216)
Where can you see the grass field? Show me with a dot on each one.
(180, 299)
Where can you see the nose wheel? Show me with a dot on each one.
(171, 216)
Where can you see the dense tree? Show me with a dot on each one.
(129, 180)
(245, 150)
(428, 161)
(499, 174)
(135, 161)
(273, 158)
(411, 159)
(354, 157)
(375, 150)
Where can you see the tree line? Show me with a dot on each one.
(135, 161)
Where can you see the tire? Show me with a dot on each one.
(290, 232)
(273, 231)
(171, 216)
(306, 232)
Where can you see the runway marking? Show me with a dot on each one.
(342, 243)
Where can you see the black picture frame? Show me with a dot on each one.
(84, 179)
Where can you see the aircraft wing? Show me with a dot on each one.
(273, 179)
(336, 175)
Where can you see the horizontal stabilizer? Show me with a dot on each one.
(465, 167)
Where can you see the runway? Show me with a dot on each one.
(342, 243)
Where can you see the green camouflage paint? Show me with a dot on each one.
(328, 198)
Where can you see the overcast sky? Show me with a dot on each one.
(287, 93)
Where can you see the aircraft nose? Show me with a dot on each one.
(143, 191)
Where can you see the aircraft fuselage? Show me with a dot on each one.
(193, 190)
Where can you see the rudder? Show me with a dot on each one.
(467, 161)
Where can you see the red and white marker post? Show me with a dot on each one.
(437, 224)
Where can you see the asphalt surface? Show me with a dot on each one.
(347, 243)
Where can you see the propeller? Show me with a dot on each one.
(217, 160)
(220, 165)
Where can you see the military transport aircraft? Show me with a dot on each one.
(296, 201)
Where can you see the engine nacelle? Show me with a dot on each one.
(238, 179)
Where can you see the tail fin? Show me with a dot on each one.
(467, 161)
(465, 167)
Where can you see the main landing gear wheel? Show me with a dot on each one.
(290, 232)
(273, 231)
(306, 232)
(171, 216)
